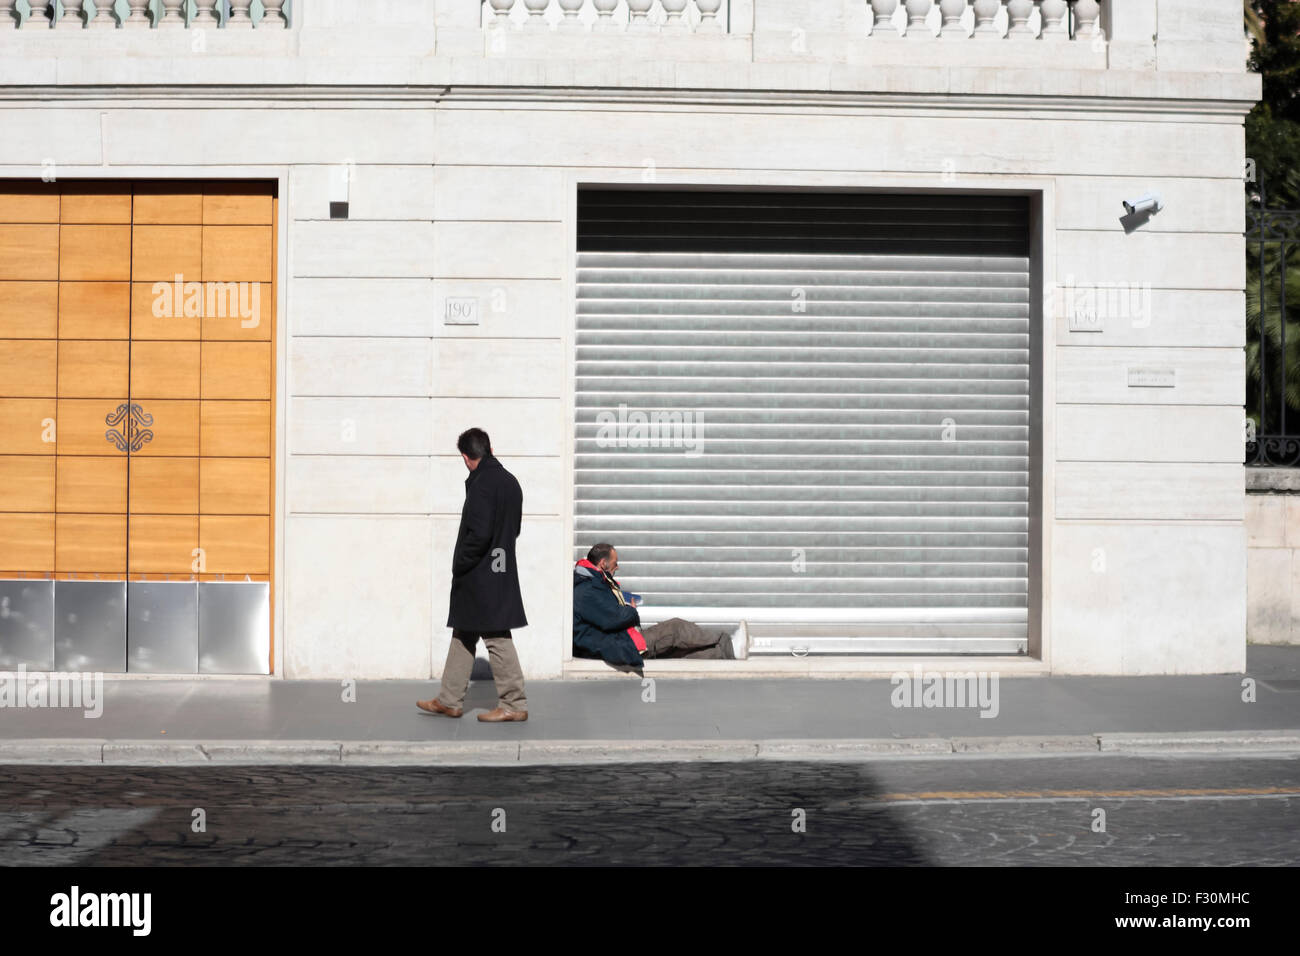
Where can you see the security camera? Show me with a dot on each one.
(1149, 203)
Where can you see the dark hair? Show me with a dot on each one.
(599, 552)
(474, 443)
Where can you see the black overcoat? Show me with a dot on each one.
(484, 574)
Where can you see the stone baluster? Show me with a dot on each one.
(39, 18)
(499, 18)
(637, 19)
(709, 16)
(675, 11)
(986, 15)
(951, 27)
(882, 15)
(917, 11)
(1018, 12)
(173, 14)
(240, 16)
(571, 9)
(1087, 20)
(1053, 13)
(138, 13)
(274, 14)
(205, 14)
(537, 14)
(103, 17)
(605, 15)
(73, 16)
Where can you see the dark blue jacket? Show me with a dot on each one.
(600, 623)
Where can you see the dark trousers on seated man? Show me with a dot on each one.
(678, 638)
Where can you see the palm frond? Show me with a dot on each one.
(1254, 25)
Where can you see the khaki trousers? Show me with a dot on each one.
(506, 672)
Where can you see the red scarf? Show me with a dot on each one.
(632, 632)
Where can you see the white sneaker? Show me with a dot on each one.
(740, 641)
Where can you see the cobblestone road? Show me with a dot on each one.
(938, 812)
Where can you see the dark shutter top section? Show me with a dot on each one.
(652, 220)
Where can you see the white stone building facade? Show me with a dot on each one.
(460, 134)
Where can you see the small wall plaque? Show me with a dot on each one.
(1151, 377)
(461, 310)
(1086, 320)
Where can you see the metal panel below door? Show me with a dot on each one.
(234, 628)
(27, 625)
(163, 627)
(90, 626)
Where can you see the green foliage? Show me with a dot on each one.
(1273, 142)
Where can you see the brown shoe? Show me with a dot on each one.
(435, 706)
(501, 714)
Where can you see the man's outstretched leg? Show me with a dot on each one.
(676, 637)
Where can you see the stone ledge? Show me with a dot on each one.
(1272, 480)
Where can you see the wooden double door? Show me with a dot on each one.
(137, 376)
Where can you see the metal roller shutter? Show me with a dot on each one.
(850, 472)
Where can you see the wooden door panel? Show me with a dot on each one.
(27, 368)
(236, 370)
(29, 310)
(237, 429)
(92, 485)
(96, 203)
(238, 204)
(29, 202)
(249, 316)
(161, 253)
(235, 544)
(158, 313)
(158, 204)
(237, 253)
(93, 336)
(28, 483)
(93, 369)
(164, 370)
(83, 427)
(90, 543)
(175, 428)
(94, 310)
(163, 543)
(235, 486)
(164, 486)
(29, 252)
(94, 253)
(26, 542)
(25, 423)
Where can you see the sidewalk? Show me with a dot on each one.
(228, 721)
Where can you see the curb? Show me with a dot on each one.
(1285, 741)
(135, 753)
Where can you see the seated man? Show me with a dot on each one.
(606, 623)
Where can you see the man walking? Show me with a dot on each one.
(485, 598)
